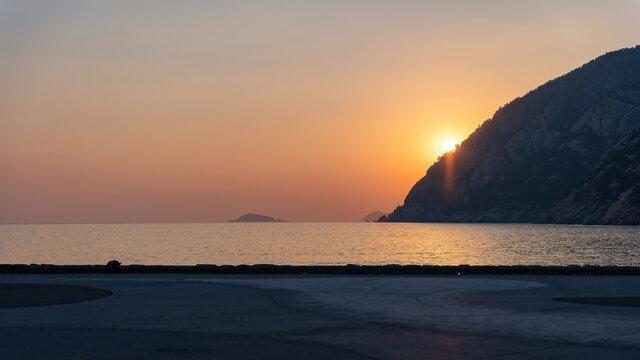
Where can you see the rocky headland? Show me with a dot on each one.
(566, 152)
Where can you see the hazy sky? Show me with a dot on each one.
(154, 110)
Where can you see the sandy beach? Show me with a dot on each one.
(165, 316)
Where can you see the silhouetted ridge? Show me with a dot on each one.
(526, 163)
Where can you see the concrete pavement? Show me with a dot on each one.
(335, 317)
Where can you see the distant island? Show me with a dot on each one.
(566, 152)
(256, 218)
(374, 216)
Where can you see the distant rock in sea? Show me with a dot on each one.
(256, 218)
(566, 152)
(374, 216)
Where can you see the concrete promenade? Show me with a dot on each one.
(199, 316)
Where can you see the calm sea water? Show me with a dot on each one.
(320, 243)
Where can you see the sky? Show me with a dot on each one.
(198, 111)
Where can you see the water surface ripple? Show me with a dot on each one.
(320, 244)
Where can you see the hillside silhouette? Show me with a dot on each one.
(566, 152)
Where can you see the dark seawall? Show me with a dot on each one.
(320, 269)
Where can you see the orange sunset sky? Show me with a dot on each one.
(180, 111)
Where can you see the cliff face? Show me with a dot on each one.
(611, 192)
(538, 156)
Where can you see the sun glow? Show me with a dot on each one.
(447, 145)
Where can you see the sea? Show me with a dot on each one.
(290, 243)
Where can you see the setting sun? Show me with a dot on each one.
(447, 146)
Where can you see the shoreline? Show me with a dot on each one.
(350, 269)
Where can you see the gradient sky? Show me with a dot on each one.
(153, 111)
